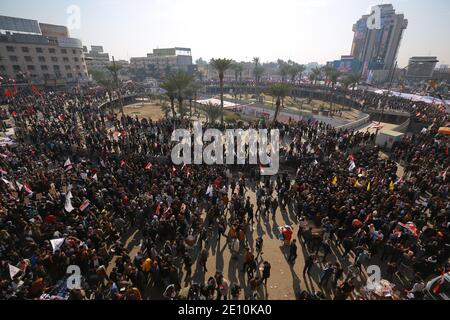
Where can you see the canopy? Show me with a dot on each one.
(444, 131)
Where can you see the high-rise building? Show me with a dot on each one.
(163, 61)
(376, 47)
(96, 59)
(421, 68)
(40, 53)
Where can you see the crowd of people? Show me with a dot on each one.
(79, 182)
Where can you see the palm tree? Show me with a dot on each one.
(279, 91)
(354, 79)
(301, 68)
(171, 91)
(221, 65)
(258, 72)
(283, 69)
(212, 113)
(333, 75)
(316, 72)
(191, 93)
(181, 80)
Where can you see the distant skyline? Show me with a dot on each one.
(301, 30)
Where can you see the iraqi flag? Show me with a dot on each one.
(95, 177)
(19, 186)
(3, 171)
(84, 205)
(351, 158)
(148, 166)
(68, 165)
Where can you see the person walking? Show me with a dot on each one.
(309, 263)
(266, 272)
(293, 252)
(326, 274)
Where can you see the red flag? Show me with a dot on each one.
(158, 208)
(218, 182)
(122, 163)
(14, 90)
(351, 158)
(36, 91)
(27, 188)
(14, 114)
(8, 93)
(61, 117)
(148, 166)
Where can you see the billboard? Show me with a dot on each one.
(52, 30)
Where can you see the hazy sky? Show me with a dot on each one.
(301, 30)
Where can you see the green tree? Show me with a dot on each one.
(213, 113)
(316, 72)
(279, 91)
(191, 93)
(171, 91)
(221, 65)
(333, 76)
(181, 80)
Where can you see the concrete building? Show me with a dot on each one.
(377, 48)
(421, 68)
(96, 59)
(40, 53)
(163, 61)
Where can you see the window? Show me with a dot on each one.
(78, 67)
(39, 50)
(69, 75)
(63, 51)
(65, 59)
(41, 59)
(55, 67)
(75, 59)
(52, 50)
(80, 75)
(10, 49)
(28, 59)
(25, 49)
(44, 68)
(31, 68)
(46, 76)
(2, 68)
(13, 58)
(54, 59)
(68, 67)
(16, 68)
(74, 51)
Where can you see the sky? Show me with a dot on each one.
(300, 30)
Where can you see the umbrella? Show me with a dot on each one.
(356, 223)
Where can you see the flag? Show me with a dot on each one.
(356, 185)
(218, 183)
(68, 165)
(148, 166)
(57, 243)
(13, 270)
(440, 282)
(158, 208)
(36, 90)
(95, 177)
(27, 188)
(68, 205)
(368, 186)
(391, 186)
(8, 93)
(62, 118)
(122, 163)
(84, 205)
(9, 183)
(3, 171)
(334, 181)
(352, 166)
(209, 191)
(351, 158)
